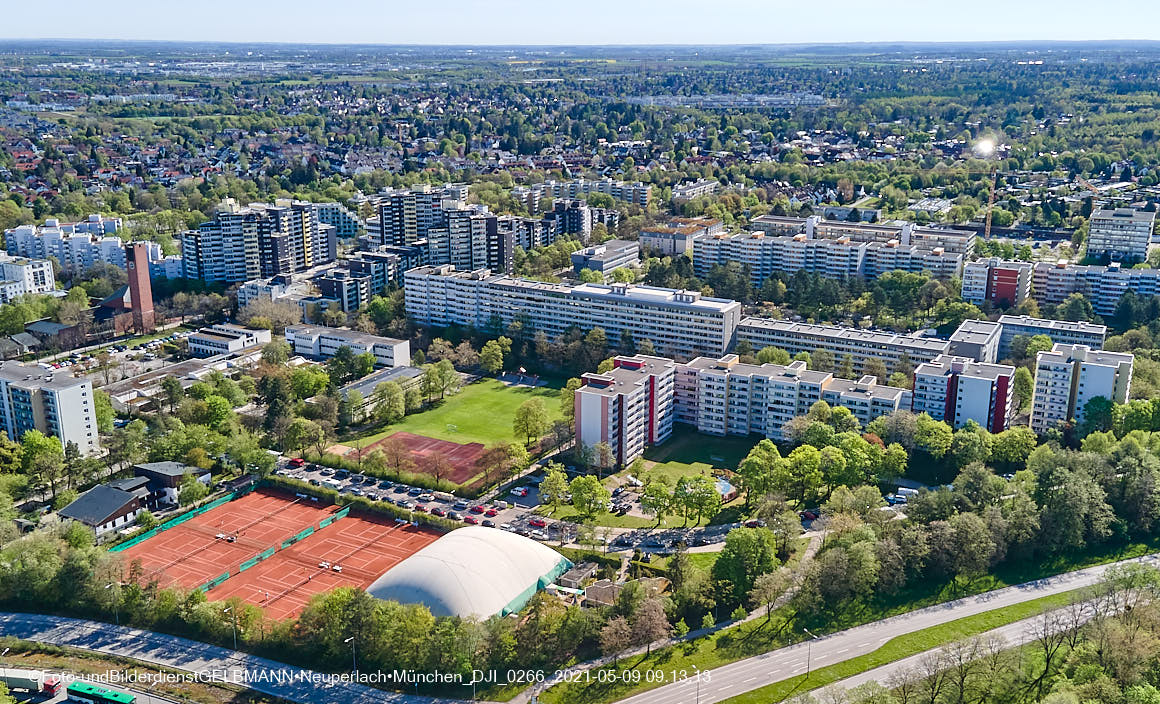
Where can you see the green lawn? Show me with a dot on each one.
(690, 447)
(734, 643)
(902, 647)
(480, 412)
(756, 637)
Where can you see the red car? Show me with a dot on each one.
(491, 513)
(476, 509)
(297, 462)
(470, 519)
(538, 522)
(437, 512)
(421, 508)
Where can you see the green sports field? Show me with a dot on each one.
(481, 412)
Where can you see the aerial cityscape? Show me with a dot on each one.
(534, 362)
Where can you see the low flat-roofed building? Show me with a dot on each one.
(605, 257)
(225, 338)
(322, 343)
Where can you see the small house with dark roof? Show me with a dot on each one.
(105, 508)
(164, 479)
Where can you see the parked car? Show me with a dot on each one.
(538, 522)
(488, 523)
(491, 513)
(476, 509)
(470, 520)
(438, 512)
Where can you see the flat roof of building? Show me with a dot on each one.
(728, 363)
(948, 364)
(975, 331)
(1073, 325)
(834, 331)
(32, 375)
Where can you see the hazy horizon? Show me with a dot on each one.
(597, 23)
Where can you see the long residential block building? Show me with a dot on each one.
(534, 196)
(906, 234)
(57, 404)
(959, 389)
(763, 255)
(1069, 376)
(629, 408)
(1053, 282)
(1000, 282)
(681, 324)
(724, 396)
(860, 345)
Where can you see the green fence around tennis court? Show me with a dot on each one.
(214, 582)
(174, 522)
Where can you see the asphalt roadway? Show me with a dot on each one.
(777, 665)
(207, 661)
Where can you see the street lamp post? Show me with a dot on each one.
(234, 614)
(116, 604)
(353, 657)
(809, 649)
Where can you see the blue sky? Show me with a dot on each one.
(584, 22)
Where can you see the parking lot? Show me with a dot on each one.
(514, 512)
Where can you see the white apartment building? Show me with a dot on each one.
(78, 246)
(677, 235)
(1069, 376)
(19, 276)
(58, 404)
(906, 234)
(225, 338)
(695, 189)
(536, 195)
(629, 407)
(323, 342)
(959, 389)
(1062, 331)
(727, 397)
(606, 256)
(1124, 234)
(861, 345)
(1001, 282)
(681, 324)
(832, 258)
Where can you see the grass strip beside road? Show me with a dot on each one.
(902, 647)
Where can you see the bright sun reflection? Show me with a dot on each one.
(985, 147)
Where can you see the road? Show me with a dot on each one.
(260, 674)
(761, 670)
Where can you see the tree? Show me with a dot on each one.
(172, 391)
(932, 436)
(554, 488)
(1024, 386)
(390, 403)
(568, 399)
(615, 636)
(303, 433)
(760, 470)
(589, 496)
(804, 473)
(766, 589)
(748, 554)
(698, 497)
(276, 352)
(1098, 415)
(444, 377)
(191, 490)
(531, 420)
(649, 623)
(491, 357)
(656, 498)
(773, 355)
(146, 520)
(1012, 446)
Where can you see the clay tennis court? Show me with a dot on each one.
(364, 546)
(461, 456)
(191, 554)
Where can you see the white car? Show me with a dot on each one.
(508, 527)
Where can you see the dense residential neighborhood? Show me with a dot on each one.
(580, 374)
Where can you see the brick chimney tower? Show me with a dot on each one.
(140, 290)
